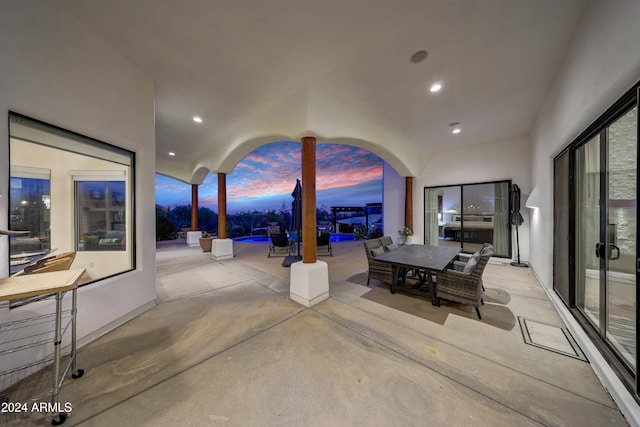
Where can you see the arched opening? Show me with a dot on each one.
(259, 189)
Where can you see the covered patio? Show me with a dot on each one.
(226, 346)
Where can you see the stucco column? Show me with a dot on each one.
(222, 248)
(309, 282)
(408, 203)
(309, 238)
(194, 207)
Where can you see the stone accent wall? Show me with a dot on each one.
(622, 181)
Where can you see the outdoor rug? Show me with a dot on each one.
(494, 312)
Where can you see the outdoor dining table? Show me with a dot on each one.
(424, 259)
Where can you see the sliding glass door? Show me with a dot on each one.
(468, 215)
(596, 263)
(588, 280)
(620, 236)
(562, 228)
(606, 212)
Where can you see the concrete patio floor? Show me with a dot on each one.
(226, 346)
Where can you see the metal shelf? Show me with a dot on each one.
(42, 330)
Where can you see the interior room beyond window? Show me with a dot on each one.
(70, 193)
(468, 215)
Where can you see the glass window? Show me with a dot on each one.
(70, 193)
(466, 216)
(29, 209)
(100, 213)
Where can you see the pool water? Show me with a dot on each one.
(334, 238)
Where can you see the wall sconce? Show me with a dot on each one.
(533, 201)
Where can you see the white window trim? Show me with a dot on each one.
(103, 175)
(30, 172)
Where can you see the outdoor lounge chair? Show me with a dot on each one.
(324, 240)
(465, 286)
(377, 270)
(279, 244)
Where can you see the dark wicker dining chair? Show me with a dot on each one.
(377, 270)
(465, 287)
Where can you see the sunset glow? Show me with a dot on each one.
(265, 178)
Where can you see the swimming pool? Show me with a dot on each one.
(258, 239)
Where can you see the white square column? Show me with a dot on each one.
(193, 238)
(309, 283)
(221, 249)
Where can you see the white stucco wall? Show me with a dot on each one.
(393, 201)
(602, 63)
(490, 161)
(54, 69)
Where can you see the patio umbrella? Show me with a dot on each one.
(515, 218)
(296, 222)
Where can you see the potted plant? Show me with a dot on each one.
(404, 234)
(360, 232)
(91, 242)
(206, 241)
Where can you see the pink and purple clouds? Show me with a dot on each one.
(264, 179)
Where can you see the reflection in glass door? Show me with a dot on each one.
(620, 240)
(450, 221)
(605, 184)
(466, 216)
(588, 293)
(485, 215)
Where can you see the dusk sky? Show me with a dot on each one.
(265, 178)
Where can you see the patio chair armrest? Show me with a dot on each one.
(456, 274)
(455, 279)
(458, 265)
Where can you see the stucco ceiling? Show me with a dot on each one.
(262, 71)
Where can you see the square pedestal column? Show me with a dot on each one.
(309, 283)
(222, 249)
(193, 238)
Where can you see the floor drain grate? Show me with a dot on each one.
(549, 337)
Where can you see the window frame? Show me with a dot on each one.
(461, 187)
(34, 131)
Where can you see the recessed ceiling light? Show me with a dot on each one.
(419, 56)
(435, 87)
(197, 119)
(456, 130)
(171, 153)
